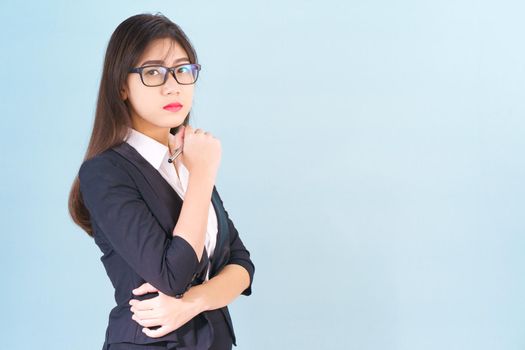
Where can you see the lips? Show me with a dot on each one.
(173, 107)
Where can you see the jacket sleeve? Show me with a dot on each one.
(115, 204)
(239, 255)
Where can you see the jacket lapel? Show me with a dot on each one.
(167, 208)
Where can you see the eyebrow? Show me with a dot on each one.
(162, 62)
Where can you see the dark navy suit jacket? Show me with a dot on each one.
(133, 212)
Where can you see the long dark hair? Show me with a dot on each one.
(112, 116)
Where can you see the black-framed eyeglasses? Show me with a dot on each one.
(156, 75)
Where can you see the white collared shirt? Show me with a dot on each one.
(157, 155)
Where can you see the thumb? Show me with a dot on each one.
(144, 288)
(156, 333)
(177, 140)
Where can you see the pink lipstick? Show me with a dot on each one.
(173, 107)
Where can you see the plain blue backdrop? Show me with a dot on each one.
(373, 163)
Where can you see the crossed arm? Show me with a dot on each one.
(127, 223)
(170, 313)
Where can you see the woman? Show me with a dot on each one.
(145, 193)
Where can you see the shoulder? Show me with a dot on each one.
(106, 165)
(103, 160)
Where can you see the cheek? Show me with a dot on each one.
(141, 99)
(188, 95)
(187, 102)
(136, 90)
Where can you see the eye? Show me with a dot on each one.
(151, 71)
(183, 69)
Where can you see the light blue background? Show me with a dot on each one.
(373, 163)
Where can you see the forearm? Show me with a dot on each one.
(222, 289)
(193, 218)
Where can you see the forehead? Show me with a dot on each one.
(167, 50)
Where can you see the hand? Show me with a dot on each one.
(201, 151)
(165, 311)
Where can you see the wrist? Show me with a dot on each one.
(199, 298)
(202, 177)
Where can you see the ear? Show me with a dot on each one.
(124, 94)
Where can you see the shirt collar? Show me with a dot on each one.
(152, 150)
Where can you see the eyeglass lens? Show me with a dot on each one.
(155, 75)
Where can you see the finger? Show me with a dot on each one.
(142, 305)
(152, 322)
(156, 333)
(144, 288)
(177, 140)
(172, 143)
(146, 314)
(180, 130)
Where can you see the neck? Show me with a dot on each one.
(157, 133)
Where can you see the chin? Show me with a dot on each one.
(176, 125)
(170, 122)
(179, 121)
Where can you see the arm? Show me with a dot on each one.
(239, 255)
(235, 278)
(171, 313)
(222, 289)
(193, 219)
(118, 209)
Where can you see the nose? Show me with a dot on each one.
(171, 85)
